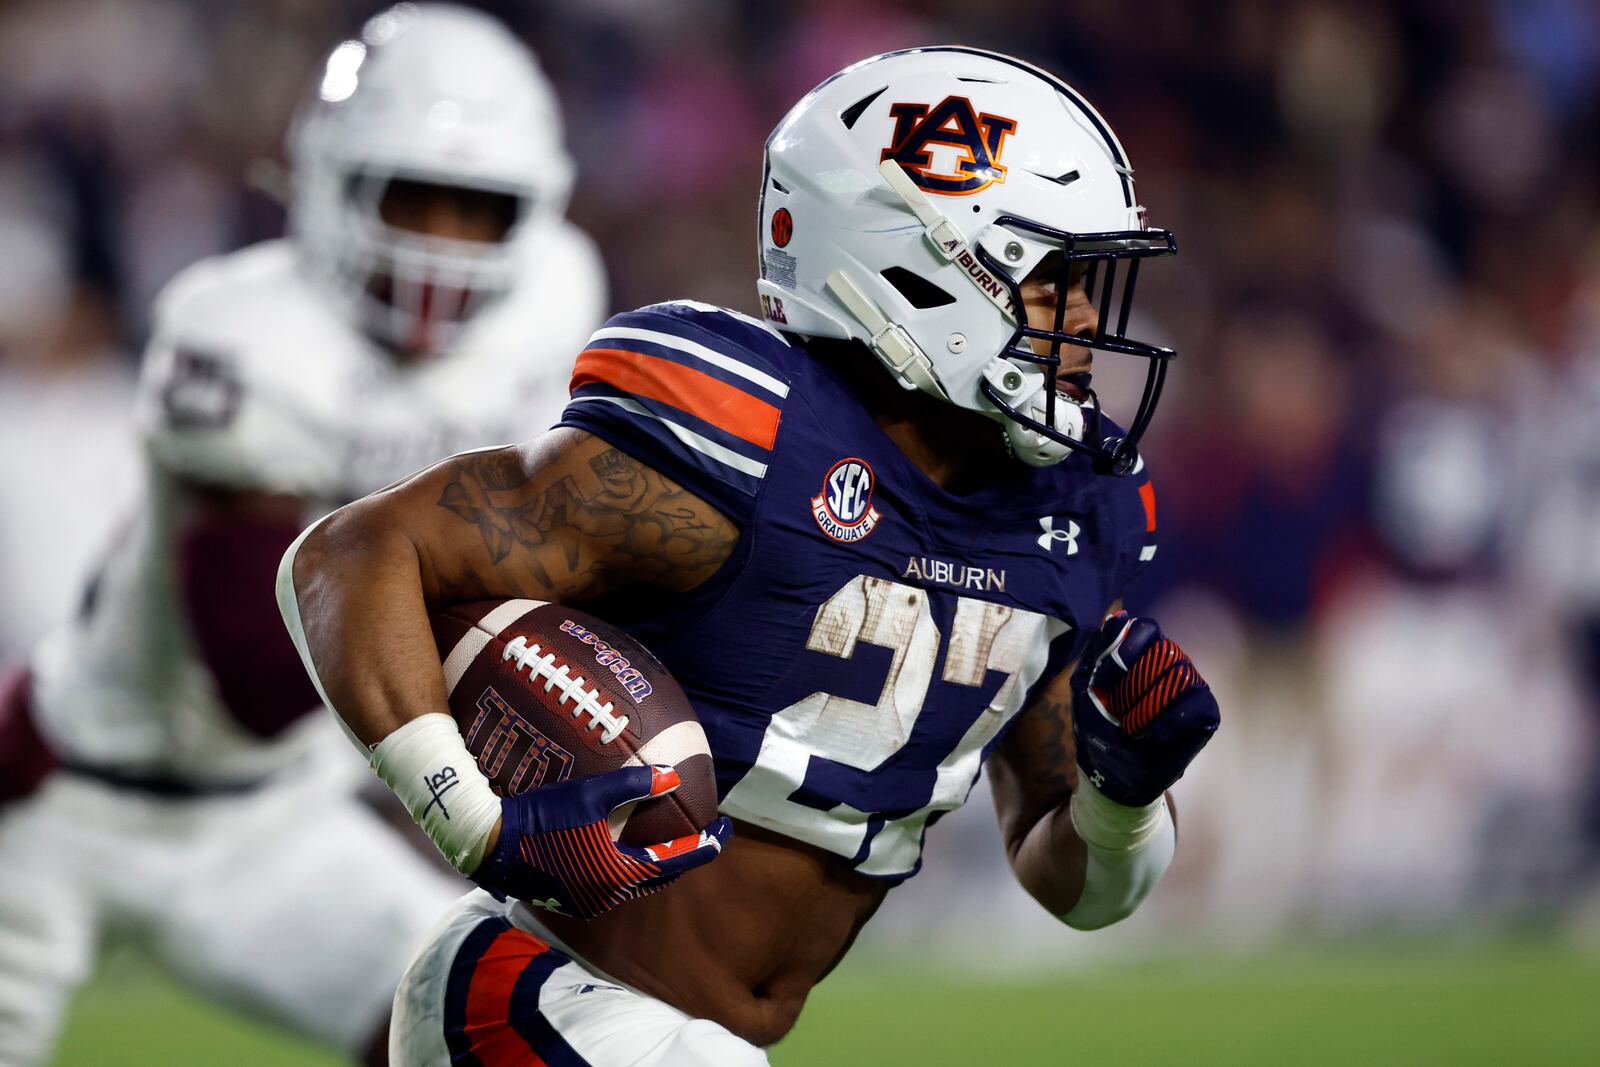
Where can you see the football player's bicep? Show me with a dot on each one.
(566, 517)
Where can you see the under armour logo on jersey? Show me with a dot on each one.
(953, 124)
(1051, 535)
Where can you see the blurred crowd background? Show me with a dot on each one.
(1377, 462)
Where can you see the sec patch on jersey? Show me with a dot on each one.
(543, 693)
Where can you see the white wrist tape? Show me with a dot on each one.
(429, 768)
(1129, 851)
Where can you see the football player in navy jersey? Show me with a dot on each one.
(880, 538)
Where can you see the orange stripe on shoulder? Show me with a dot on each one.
(1147, 494)
(709, 399)
(491, 1037)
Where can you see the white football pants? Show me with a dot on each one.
(295, 902)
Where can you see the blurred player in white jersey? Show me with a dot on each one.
(160, 775)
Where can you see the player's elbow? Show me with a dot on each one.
(1090, 895)
(308, 560)
(1116, 880)
(350, 532)
(343, 544)
(328, 564)
(1126, 850)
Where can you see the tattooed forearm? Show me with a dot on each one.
(585, 524)
(1035, 768)
(1047, 758)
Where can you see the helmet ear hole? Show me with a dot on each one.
(919, 292)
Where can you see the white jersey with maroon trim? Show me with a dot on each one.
(252, 381)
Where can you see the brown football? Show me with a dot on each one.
(543, 693)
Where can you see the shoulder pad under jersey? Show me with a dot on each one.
(239, 382)
(693, 390)
(523, 345)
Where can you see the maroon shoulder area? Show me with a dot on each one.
(225, 566)
(25, 758)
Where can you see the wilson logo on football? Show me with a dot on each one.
(513, 753)
(843, 509)
(951, 148)
(631, 678)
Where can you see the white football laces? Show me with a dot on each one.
(588, 701)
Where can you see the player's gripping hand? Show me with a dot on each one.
(1140, 710)
(555, 848)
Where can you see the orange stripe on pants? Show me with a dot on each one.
(488, 1027)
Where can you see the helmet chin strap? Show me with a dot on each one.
(889, 339)
(946, 237)
(1022, 387)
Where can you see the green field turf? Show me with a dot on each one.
(1513, 1005)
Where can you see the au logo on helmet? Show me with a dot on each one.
(956, 124)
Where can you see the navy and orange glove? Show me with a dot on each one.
(555, 849)
(1140, 710)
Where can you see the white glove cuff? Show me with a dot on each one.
(429, 768)
(1129, 849)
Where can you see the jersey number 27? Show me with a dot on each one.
(853, 745)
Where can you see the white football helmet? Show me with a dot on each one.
(436, 94)
(907, 197)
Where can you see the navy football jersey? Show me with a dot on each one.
(872, 636)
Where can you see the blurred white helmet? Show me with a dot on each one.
(437, 95)
(907, 197)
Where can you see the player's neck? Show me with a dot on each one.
(961, 451)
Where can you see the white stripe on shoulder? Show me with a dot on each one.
(700, 352)
(1147, 553)
(695, 441)
(741, 316)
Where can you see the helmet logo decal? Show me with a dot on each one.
(843, 509)
(954, 123)
(782, 226)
